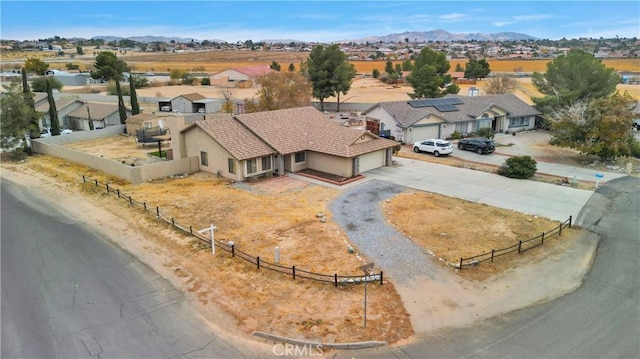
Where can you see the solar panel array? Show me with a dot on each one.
(447, 104)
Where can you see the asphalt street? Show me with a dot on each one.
(601, 319)
(68, 293)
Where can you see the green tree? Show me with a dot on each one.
(398, 69)
(17, 116)
(459, 68)
(53, 112)
(573, 77)
(329, 72)
(177, 74)
(28, 98)
(72, 66)
(599, 127)
(275, 66)
(521, 167)
(79, 50)
(109, 67)
(39, 84)
(477, 69)
(292, 67)
(388, 67)
(36, 65)
(429, 77)
(375, 73)
(407, 65)
(500, 85)
(135, 106)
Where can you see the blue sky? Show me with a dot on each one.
(323, 21)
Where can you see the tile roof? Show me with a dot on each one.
(191, 97)
(99, 111)
(233, 136)
(60, 104)
(471, 108)
(305, 128)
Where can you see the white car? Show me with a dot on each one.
(435, 146)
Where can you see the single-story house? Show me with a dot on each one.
(101, 114)
(69, 79)
(275, 142)
(240, 76)
(145, 121)
(64, 106)
(189, 103)
(415, 120)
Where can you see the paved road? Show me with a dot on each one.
(67, 293)
(543, 199)
(599, 320)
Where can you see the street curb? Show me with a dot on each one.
(342, 346)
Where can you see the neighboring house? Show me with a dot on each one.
(69, 79)
(291, 140)
(64, 106)
(189, 103)
(101, 114)
(240, 76)
(145, 121)
(415, 120)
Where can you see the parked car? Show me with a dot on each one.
(435, 146)
(479, 144)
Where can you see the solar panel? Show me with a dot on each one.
(446, 108)
(433, 102)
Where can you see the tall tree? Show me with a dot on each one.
(344, 75)
(500, 85)
(388, 67)
(599, 127)
(28, 98)
(135, 106)
(53, 112)
(109, 67)
(329, 72)
(36, 65)
(429, 76)
(280, 90)
(477, 69)
(17, 116)
(573, 77)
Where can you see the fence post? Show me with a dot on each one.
(519, 246)
(560, 231)
(381, 276)
(107, 188)
(84, 180)
(293, 269)
(233, 250)
(96, 183)
(570, 218)
(542, 237)
(118, 190)
(258, 261)
(158, 212)
(460, 267)
(191, 230)
(173, 223)
(335, 280)
(130, 201)
(145, 206)
(492, 254)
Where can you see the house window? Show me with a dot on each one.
(252, 166)
(266, 163)
(462, 127)
(484, 123)
(301, 157)
(204, 158)
(518, 121)
(147, 125)
(232, 165)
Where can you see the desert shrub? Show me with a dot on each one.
(521, 167)
(486, 132)
(456, 135)
(205, 81)
(111, 89)
(634, 147)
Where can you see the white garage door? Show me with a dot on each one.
(371, 160)
(423, 133)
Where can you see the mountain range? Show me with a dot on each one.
(411, 36)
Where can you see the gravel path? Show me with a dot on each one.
(359, 212)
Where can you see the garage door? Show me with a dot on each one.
(371, 160)
(423, 133)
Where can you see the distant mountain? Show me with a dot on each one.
(442, 35)
(150, 38)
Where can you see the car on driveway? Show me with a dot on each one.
(478, 144)
(435, 146)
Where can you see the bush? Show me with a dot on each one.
(205, 81)
(456, 135)
(486, 132)
(124, 87)
(521, 167)
(39, 84)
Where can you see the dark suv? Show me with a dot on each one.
(478, 144)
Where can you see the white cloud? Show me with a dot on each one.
(452, 16)
(532, 17)
(501, 23)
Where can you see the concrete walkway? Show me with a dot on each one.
(543, 199)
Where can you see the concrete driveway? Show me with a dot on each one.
(543, 199)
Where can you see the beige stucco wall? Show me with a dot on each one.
(331, 164)
(196, 140)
